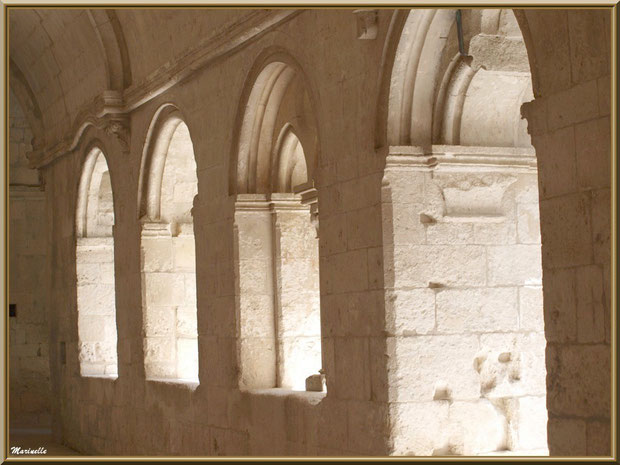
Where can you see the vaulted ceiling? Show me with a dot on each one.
(61, 59)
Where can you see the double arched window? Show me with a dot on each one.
(96, 297)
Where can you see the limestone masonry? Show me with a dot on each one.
(316, 232)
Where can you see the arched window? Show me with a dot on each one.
(276, 220)
(96, 299)
(168, 259)
(464, 288)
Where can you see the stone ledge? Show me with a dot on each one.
(311, 397)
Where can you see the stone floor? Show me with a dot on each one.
(37, 440)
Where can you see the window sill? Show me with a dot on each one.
(312, 397)
(187, 383)
(107, 377)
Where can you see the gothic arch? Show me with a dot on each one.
(93, 168)
(424, 79)
(112, 43)
(95, 271)
(163, 125)
(276, 93)
(28, 101)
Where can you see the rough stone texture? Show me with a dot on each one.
(411, 220)
(96, 302)
(466, 313)
(28, 332)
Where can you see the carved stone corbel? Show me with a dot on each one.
(367, 27)
(118, 126)
(310, 196)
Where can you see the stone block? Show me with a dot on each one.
(567, 437)
(298, 358)
(528, 223)
(91, 328)
(375, 268)
(416, 266)
(531, 314)
(333, 234)
(156, 254)
(557, 163)
(420, 429)
(405, 186)
(593, 153)
(159, 321)
(525, 371)
(257, 363)
(159, 349)
(566, 230)
(352, 369)
(361, 192)
(345, 272)
(96, 299)
(189, 286)
(604, 95)
(601, 226)
(298, 274)
(530, 419)
(315, 383)
(410, 312)
(404, 226)
(514, 265)
(449, 233)
(184, 253)
(99, 254)
(501, 233)
(590, 55)
(88, 272)
(416, 364)
(364, 228)
(578, 381)
(476, 428)
(477, 310)
(333, 424)
(256, 315)
(560, 309)
(598, 435)
(367, 427)
(163, 289)
(591, 304)
(256, 276)
(299, 315)
(186, 322)
(221, 364)
(187, 358)
(574, 105)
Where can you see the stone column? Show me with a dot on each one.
(463, 300)
(298, 320)
(255, 291)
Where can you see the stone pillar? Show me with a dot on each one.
(463, 300)
(255, 291)
(278, 291)
(298, 319)
(169, 301)
(96, 306)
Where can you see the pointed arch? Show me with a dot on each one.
(95, 274)
(164, 126)
(276, 94)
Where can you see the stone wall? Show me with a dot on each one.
(277, 292)
(29, 388)
(371, 243)
(96, 301)
(570, 127)
(464, 307)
